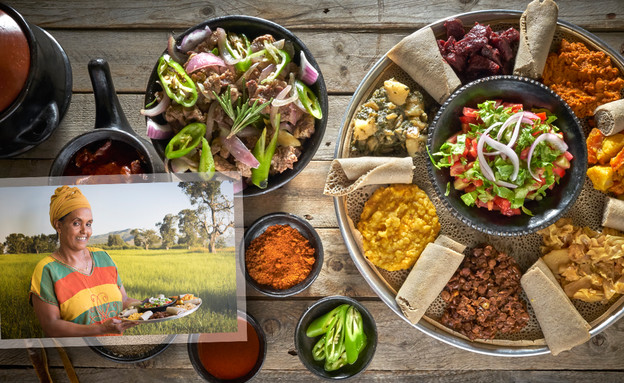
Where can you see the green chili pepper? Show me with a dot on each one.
(339, 362)
(334, 342)
(318, 351)
(264, 154)
(309, 100)
(239, 48)
(355, 339)
(177, 83)
(321, 324)
(186, 140)
(206, 162)
(281, 59)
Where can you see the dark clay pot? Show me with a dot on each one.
(38, 109)
(110, 124)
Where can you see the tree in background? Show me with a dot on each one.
(43, 243)
(168, 231)
(145, 238)
(214, 210)
(189, 226)
(115, 240)
(17, 243)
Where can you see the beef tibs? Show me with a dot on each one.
(479, 53)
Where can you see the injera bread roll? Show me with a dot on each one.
(175, 310)
(435, 266)
(609, 117)
(562, 325)
(537, 29)
(613, 215)
(348, 174)
(445, 241)
(418, 55)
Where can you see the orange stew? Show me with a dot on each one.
(15, 63)
(230, 360)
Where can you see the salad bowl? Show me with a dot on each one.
(532, 95)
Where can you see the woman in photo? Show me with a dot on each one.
(76, 291)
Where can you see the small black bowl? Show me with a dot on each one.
(531, 94)
(158, 308)
(304, 227)
(112, 352)
(201, 370)
(253, 27)
(304, 344)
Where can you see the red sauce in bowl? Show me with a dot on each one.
(230, 360)
(106, 157)
(15, 62)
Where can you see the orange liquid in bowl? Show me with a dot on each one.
(15, 62)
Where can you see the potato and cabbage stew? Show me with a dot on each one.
(230, 104)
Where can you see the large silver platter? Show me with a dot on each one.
(374, 278)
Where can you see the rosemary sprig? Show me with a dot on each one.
(244, 114)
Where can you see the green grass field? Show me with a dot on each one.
(144, 273)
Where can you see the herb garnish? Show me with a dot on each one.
(244, 114)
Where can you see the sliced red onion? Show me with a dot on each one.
(485, 168)
(181, 165)
(157, 131)
(513, 118)
(225, 54)
(507, 151)
(191, 40)
(178, 57)
(239, 150)
(307, 72)
(203, 60)
(246, 75)
(532, 116)
(279, 44)
(506, 184)
(248, 131)
(210, 118)
(158, 109)
(553, 139)
(266, 72)
(280, 99)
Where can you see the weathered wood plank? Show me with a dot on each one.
(350, 14)
(400, 349)
(344, 58)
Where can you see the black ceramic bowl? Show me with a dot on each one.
(260, 226)
(203, 372)
(129, 353)
(531, 94)
(142, 309)
(304, 344)
(253, 27)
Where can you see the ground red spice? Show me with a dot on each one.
(280, 257)
(230, 360)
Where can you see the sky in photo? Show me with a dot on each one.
(25, 209)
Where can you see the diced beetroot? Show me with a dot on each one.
(454, 28)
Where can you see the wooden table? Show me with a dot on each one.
(346, 38)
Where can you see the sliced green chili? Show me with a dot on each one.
(206, 162)
(176, 82)
(264, 154)
(334, 342)
(239, 48)
(339, 362)
(321, 324)
(355, 339)
(318, 351)
(309, 100)
(186, 140)
(280, 57)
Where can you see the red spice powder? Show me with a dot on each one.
(230, 360)
(280, 257)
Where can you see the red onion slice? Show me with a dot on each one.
(553, 139)
(157, 131)
(507, 151)
(236, 147)
(485, 168)
(158, 109)
(532, 116)
(203, 60)
(191, 40)
(178, 57)
(266, 72)
(225, 54)
(280, 99)
(307, 72)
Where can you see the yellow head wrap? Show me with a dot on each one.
(65, 200)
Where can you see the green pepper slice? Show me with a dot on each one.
(318, 351)
(281, 59)
(206, 161)
(186, 140)
(355, 339)
(176, 82)
(239, 48)
(321, 324)
(336, 364)
(264, 154)
(309, 100)
(334, 342)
